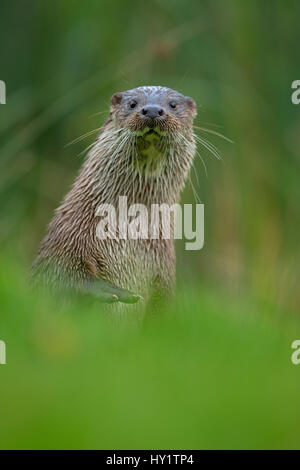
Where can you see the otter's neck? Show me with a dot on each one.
(109, 172)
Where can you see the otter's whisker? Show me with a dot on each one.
(98, 113)
(210, 131)
(195, 194)
(89, 147)
(83, 136)
(203, 162)
(209, 146)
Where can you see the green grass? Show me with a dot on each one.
(208, 373)
(214, 371)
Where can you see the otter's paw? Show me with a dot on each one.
(110, 293)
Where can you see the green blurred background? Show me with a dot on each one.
(216, 372)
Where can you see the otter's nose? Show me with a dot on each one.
(152, 111)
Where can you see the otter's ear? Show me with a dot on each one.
(116, 99)
(191, 103)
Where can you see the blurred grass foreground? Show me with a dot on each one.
(207, 373)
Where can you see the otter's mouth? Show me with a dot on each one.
(150, 132)
(150, 145)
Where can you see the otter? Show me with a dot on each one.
(143, 151)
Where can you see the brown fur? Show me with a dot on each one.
(71, 253)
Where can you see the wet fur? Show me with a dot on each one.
(71, 254)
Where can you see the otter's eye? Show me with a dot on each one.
(133, 104)
(172, 104)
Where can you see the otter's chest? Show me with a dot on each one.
(134, 264)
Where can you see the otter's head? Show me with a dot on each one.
(154, 126)
(153, 109)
